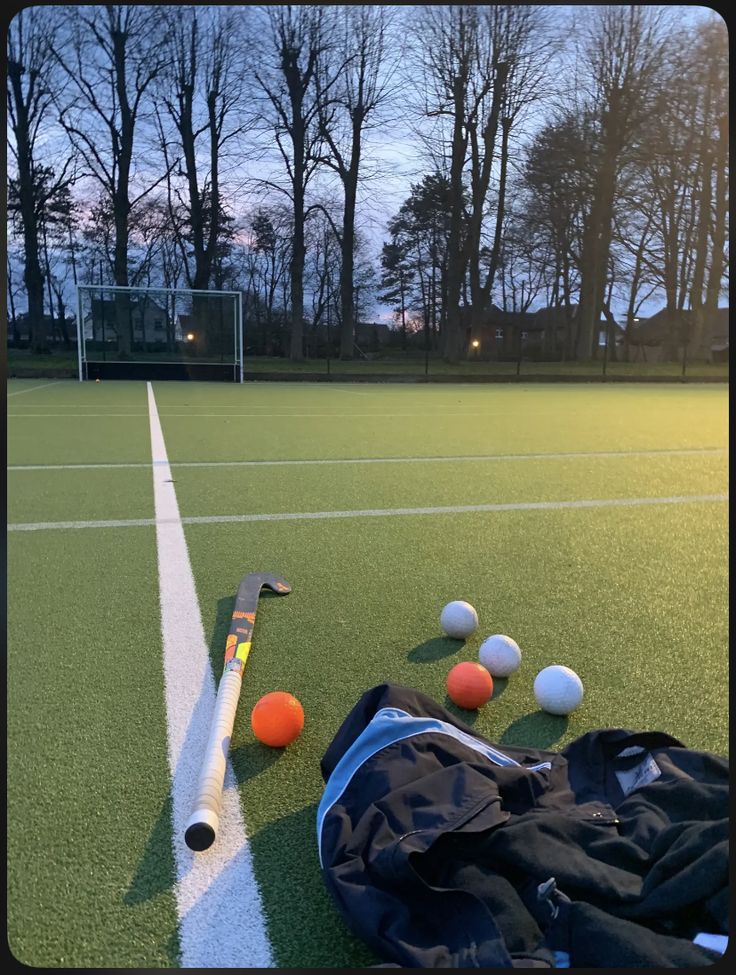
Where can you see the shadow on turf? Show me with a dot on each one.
(155, 874)
(470, 717)
(304, 924)
(467, 717)
(251, 759)
(434, 649)
(537, 730)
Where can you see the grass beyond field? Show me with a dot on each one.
(63, 364)
(590, 523)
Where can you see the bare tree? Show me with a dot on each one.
(322, 276)
(447, 41)
(489, 80)
(30, 100)
(557, 183)
(633, 235)
(719, 257)
(287, 78)
(359, 83)
(710, 56)
(623, 57)
(524, 45)
(111, 56)
(202, 90)
(56, 222)
(415, 261)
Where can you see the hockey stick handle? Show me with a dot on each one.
(201, 828)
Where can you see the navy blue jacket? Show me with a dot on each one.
(442, 849)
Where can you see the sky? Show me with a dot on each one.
(394, 156)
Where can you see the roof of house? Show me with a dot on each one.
(554, 316)
(658, 327)
(495, 317)
(557, 315)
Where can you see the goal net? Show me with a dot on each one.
(159, 333)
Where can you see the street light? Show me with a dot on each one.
(190, 336)
(476, 345)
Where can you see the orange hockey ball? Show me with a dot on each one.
(469, 685)
(277, 719)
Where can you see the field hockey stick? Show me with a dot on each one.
(201, 828)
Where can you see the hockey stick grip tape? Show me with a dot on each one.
(201, 828)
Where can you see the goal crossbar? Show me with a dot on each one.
(183, 348)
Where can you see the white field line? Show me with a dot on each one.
(98, 406)
(479, 458)
(162, 407)
(63, 416)
(221, 923)
(30, 389)
(373, 512)
(356, 392)
(291, 416)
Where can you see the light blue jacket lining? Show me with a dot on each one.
(388, 726)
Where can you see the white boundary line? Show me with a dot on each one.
(221, 922)
(289, 416)
(63, 416)
(480, 458)
(369, 512)
(30, 389)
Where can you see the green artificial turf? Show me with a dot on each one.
(313, 423)
(79, 495)
(633, 598)
(241, 490)
(634, 601)
(61, 423)
(90, 867)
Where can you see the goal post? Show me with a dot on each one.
(159, 333)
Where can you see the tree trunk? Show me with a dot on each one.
(701, 242)
(588, 277)
(32, 276)
(455, 257)
(500, 212)
(11, 302)
(568, 345)
(701, 256)
(713, 288)
(296, 350)
(597, 237)
(480, 180)
(347, 268)
(593, 277)
(123, 324)
(120, 199)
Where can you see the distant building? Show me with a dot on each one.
(147, 317)
(542, 332)
(662, 334)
